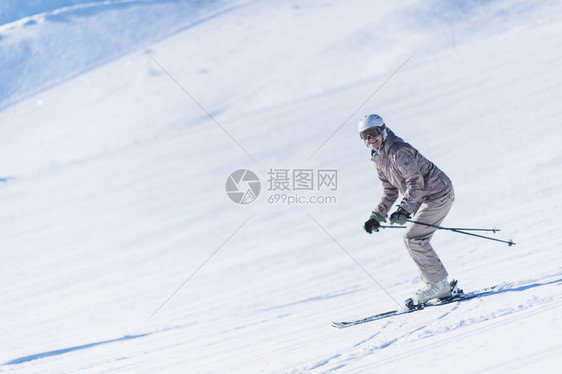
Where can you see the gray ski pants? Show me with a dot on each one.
(432, 211)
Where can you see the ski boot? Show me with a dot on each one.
(441, 290)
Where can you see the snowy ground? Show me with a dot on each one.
(121, 251)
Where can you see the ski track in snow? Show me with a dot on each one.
(442, 325)
(508, 316)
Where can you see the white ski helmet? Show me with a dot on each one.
(370, 121)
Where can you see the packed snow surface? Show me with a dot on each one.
(121, 122)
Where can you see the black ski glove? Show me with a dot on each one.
(373, 223)
(400, 216)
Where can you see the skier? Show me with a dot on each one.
(427, 196)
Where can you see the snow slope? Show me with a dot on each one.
(58, 40)
(122, 253)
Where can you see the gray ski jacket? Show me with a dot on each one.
(402, 169)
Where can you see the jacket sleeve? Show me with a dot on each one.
(390, 194)
(406, 162)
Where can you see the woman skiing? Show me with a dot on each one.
(427, 196)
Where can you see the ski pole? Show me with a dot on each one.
(494, 230)
(460, 231)
(455, 229)
(509, 243)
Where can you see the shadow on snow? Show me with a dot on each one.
(57, 352)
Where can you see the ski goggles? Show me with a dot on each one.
(371, 133)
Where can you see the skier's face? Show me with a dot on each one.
(374, 142)
(373, 137)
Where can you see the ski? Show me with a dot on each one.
(457, 296)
